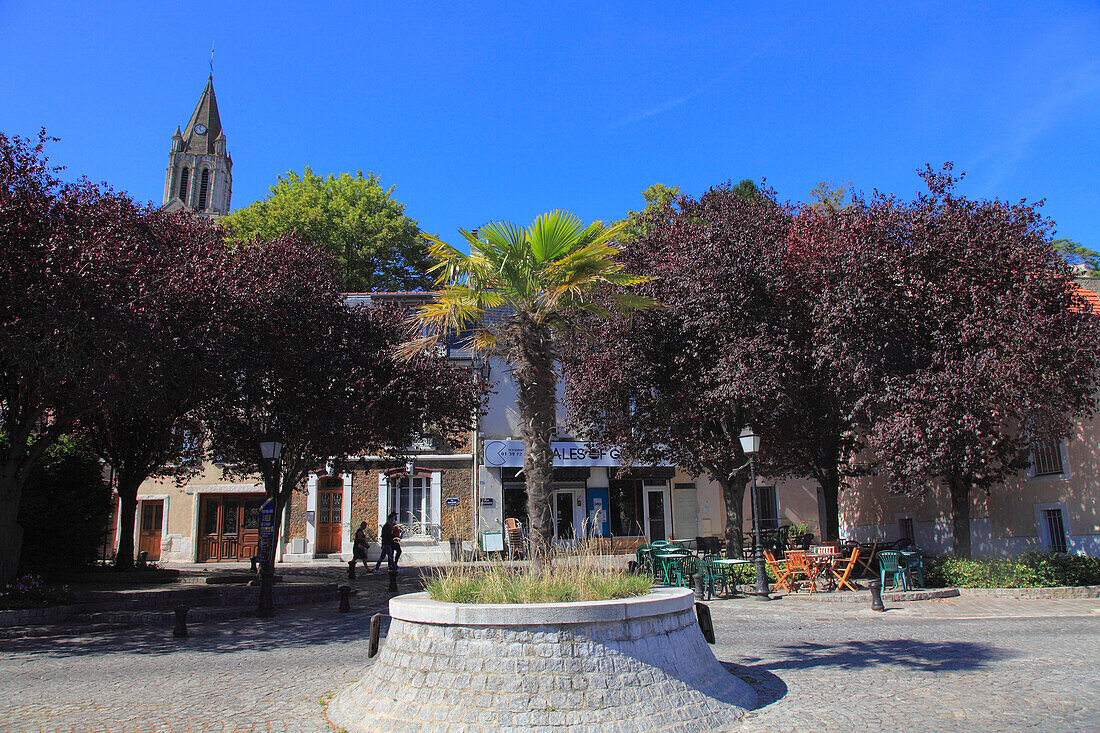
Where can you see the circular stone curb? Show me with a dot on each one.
(637, 664)
(419, 608)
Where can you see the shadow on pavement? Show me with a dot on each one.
(768, 687)
(291, 627)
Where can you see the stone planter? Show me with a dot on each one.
(640, 663)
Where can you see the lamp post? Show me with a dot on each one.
(750, 444)
(271, 449)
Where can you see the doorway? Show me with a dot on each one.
(230, 527)
(567, 508)
(658, 514)
(329, 520)
(151, 528)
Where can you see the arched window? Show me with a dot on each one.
(204, 188)
(185, 178)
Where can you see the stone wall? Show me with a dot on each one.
(633, 664)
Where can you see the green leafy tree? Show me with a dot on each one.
(1077, 254)
(352, 217)
(827, 199)
(514, 296)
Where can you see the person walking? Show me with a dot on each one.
(391, 543)
(359, 549)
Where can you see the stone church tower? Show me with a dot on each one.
(199, 176)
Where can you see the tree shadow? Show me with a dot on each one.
(906, 654)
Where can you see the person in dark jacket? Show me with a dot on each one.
(391, 543)
(359, 549)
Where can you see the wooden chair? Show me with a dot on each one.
(842, 568)
(514, 534)
(799, 564)
(782, 572)
(869, 550)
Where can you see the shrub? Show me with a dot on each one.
(1032, 569)
(31, 591)
(65, 507)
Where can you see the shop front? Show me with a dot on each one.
(229, 526)
(592, 494)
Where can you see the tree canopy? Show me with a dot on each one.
(514, 296)
(375, 246)
(681, 381)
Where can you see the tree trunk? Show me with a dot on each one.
(830, 497)
(11, 539)
(536, 381)
(733, 492)
(127, 514)
(960, 514)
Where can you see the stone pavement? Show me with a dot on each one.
(962, 664)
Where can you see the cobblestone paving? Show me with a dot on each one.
(963, 664)
(955, 664)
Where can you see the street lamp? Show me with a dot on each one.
(271, 449)
(750, 445)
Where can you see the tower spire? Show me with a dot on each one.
(211, 58)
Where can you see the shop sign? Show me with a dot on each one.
(509, 454)
(267, 528)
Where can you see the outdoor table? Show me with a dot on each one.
(823, 562)
(665, 558)
(725, 565)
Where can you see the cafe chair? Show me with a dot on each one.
(890, 563)
(782, 572)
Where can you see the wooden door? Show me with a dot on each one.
(152, 524)
(329, 520)
(230, 527)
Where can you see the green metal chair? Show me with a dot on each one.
(913, 559)
(890, 561)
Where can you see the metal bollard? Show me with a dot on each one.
(876, 596)
(351, 570)
(255, 564)
(393, 582)
(345, 593)
(181, 622)
(700, 587)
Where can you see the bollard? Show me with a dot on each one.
(255, 564)
(351, 570)
(375, 630)
(345, 593)
(181, 622)
(876, 596)
(700, 587)
(393, 582)
(706, 625)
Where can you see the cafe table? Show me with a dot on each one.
(666, 559)
(725, 568)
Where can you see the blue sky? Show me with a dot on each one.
(499, 111)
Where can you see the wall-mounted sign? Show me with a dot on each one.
(451, 501)
(487, 501)
(310, 517)
(509, 453)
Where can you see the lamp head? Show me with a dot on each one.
(750, 441)
(271, 448)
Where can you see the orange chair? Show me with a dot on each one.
(842, 568)
(799, 564)
(782, 572)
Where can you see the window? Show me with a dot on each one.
(905, 529)
(1046, 458)
(410, 497)
(204, 188)
(769, 507)
(185, 178)
(1056, 530)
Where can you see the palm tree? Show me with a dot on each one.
(512, 297)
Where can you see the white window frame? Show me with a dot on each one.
(431, 501)
(1041, 524)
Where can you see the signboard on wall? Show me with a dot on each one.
(451, 501)
(509, 454)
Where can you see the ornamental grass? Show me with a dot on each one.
(568, 577)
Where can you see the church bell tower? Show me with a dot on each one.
(199, 176)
